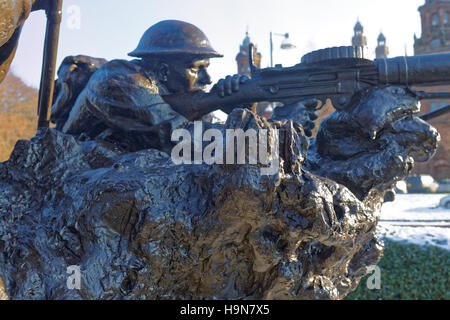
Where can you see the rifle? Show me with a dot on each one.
(333, 73)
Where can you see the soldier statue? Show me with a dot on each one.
(123, 101)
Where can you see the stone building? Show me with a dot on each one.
(382, 51)
(243, 66)
(435, 38)
(359, 40)
(434, 15)
(242, 57)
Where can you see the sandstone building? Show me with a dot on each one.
(435, 38)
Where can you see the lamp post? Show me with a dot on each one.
(285, 44)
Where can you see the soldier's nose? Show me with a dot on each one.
(203, 77)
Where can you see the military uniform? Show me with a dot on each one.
(122, 102)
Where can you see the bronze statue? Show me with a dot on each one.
(73, 75)
(123, 102)
(337, 73)
(140, 226)
(13, 14)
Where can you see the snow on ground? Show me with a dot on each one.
(416, 219)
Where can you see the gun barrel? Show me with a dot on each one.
(423, 95)
(338, 78)
(429, 69)
(437, 113)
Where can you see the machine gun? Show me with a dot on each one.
(333, 73)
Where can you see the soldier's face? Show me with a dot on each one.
(197, 74)
(188, 76)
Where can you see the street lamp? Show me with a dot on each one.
(285, 44)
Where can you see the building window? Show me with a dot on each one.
(443, 103)
(434, 19)
(435, 43)
(446, 18)
(433, 106)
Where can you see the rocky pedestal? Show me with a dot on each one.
(139, 226)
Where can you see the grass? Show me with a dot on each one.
(409, 272)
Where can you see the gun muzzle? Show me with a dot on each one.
(424, 70)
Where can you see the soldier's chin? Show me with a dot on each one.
(195, 89)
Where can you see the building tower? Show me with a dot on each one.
(262, 108)
(435, 38)
(359, 41)
(382, 51)
(242, 56)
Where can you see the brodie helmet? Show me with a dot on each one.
(174, 36)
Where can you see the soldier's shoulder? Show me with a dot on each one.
(124, 73)
(117, 67)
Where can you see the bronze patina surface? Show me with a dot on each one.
(13, 14)
(101, 192)
(141, 227)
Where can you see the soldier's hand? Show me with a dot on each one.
(231, 84)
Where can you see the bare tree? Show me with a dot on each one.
(18, 103)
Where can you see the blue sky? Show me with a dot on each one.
(112, 28)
